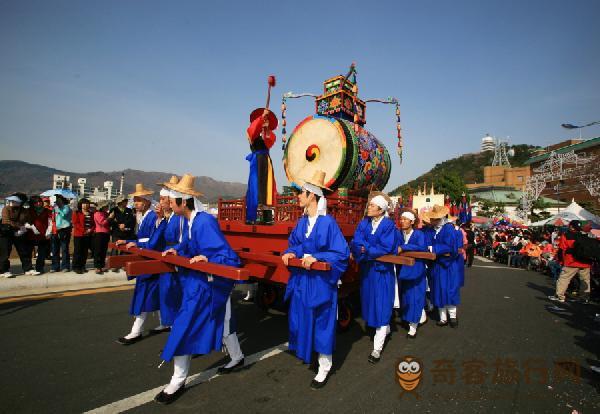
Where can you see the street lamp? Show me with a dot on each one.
(571, 126)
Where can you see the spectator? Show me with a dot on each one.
(101, 236)
(61, 235)
(122, 221)
(470, 244)
(10, 225)
(21, 241)
(83, 228)
(572, 266)
(37, 233)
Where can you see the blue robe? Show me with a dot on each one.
(198, 325)
(429, 234)
(411, 279)
(459, 263)
(146, 292)
(313, 294)
(445, 284)
(377, 283)
(167, 236)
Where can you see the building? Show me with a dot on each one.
(423, 201)
(571, 167)
(501, 176)
(509, 198)
(488, 143)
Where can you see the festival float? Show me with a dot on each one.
(333, 140)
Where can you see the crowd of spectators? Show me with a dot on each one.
(549, 251)
(43, 228)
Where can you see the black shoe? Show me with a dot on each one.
(409, 336)
(453, 323)
(442, 323)
(315, 385)
(374, 359)
(164, 398)
(156, 331)
(126, 341)
(224, 370)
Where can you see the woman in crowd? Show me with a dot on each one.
(101, 236)
(83, 228)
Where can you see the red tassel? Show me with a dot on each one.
(272, 81)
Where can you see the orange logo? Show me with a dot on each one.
(408, 374)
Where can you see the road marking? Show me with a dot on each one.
(66, 293)
(484, 259)
(148, 396)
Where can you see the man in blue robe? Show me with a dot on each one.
(313, 294)
(146, 293)
(445, 283)
(412, 281)
(376, 236)
(203, 322)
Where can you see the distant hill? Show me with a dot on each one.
(35, 178)
(450, 176)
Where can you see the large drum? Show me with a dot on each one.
(356, 161)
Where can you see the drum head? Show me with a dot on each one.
(317, 143)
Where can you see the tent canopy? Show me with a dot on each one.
(572, 212)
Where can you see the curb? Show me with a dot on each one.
(23, 284)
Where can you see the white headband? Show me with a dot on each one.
(409, 215)
(177, 194)
(164, 192)
(313, 189)
(380, 202)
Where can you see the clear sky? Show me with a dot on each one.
(168, 85)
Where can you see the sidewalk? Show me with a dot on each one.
(24, 285)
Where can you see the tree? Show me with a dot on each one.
(541, 205)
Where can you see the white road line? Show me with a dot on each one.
(147, 396)
(484, 259)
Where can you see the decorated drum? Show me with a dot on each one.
(353, 160)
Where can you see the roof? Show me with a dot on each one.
(509, 197)
(575, 147)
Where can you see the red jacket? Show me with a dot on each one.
(566, 244)
(78, 220)
(40, 221)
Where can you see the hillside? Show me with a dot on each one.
(35, 178)
(450, 176)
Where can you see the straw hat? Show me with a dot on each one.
(318, 179)
(436, 212)
(172, 181)
(185, 186)
(140, 191)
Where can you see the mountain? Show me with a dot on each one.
(34, 179)
(449, 177)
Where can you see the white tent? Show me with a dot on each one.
(572, 212)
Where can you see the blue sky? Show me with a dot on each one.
(168, 85)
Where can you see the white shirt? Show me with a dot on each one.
(311, 224)
(375, 222)
(407, 236)
(141, 218)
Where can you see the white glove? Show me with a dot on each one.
(35, 230)
(21, 231)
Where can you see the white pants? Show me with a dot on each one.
(181, 368)
(230, 339)
(451, 311)
(380, 334)
(138, 325)
(325, 364)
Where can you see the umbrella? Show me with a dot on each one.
(59, 191)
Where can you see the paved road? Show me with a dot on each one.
(58, 355)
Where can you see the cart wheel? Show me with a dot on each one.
(345, 316)
(266, 295)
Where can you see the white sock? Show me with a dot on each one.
(325, 363)
(138, 324)
(233, 349)
(451, 311)
(412, 328)
(379, 340)
(181, 367)
(443, 316)
(423, 316)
